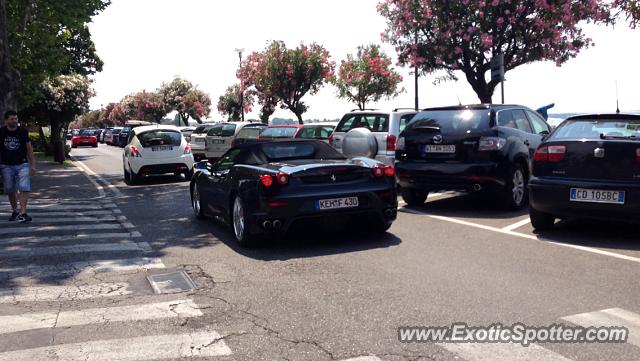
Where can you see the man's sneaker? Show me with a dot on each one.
(24, 218)
(14, 216)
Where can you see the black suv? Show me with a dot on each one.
(469, 148)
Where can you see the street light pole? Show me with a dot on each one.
(415, 71)
(240, 51)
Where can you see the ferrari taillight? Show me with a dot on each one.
(380, 171)
(266, 180)
(282, 178)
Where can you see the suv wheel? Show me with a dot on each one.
(515, 193)
(413, 197)
(541, 221)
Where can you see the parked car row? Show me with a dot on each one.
(265, 180)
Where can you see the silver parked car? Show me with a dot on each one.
(371, 133)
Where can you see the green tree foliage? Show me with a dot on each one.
(229, 103)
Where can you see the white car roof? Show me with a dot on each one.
(145, 128)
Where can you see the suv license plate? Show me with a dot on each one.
(161, 148)
(596, 196)
(433, 148)
(337, 203)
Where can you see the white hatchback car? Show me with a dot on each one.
(156, 149)
(220, 137)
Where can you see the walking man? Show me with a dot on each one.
(18, 164)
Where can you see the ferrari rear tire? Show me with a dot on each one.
(240, 224)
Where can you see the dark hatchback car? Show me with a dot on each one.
(268, 188)
(469, 148)
(588, 167)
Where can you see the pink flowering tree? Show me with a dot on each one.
(367, 77)
(287, 74)
(464, 35)
(229, 103)
(630, 9)
(186, 99)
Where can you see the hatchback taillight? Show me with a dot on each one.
(391, 143)
(550, 153)
(187, 149)
(135, 152)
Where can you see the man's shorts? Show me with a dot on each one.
(16, 178)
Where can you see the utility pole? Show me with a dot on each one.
(415, 71)
(497, 71)
(240, 51)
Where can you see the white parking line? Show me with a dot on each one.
(523, 235)
(90, 173)
(77, 237)
(65, 207)
(364, 358)
(613, 317)
(513, 227)
(181, 346)
(63, 293)
(54, 220)
(502, 352)
(34, 321)
(39, 215)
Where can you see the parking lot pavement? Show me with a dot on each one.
(610, 239)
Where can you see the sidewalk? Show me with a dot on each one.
(56, 182)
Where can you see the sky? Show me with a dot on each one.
(144, 43)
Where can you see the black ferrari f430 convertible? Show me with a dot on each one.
(265, 189)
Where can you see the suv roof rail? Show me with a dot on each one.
(356, 110)
(406, 108)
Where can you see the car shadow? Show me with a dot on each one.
(463, 205)
(598, 234)
(305, 244)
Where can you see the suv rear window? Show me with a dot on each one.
(597, 128)
(373, 122)
(281, 132)
(275, 152)
(202, 129)
(160, 137)
(452, 121)
(249, 132)
(222, 130)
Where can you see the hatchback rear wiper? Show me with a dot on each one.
(609, 136)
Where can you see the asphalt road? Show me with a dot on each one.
(337, 296)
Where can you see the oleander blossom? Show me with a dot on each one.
(464, 35)
(367, 77)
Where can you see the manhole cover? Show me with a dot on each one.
(174, 282)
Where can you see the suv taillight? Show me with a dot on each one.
(391, 143)
(331, 139)
(234, 143)
(487, 144)
(550, 153)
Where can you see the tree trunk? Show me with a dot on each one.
(56, 142)
(7, 73)
(43, 141)
(483, 90)
(299, 116)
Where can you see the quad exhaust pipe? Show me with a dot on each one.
(275, 224)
